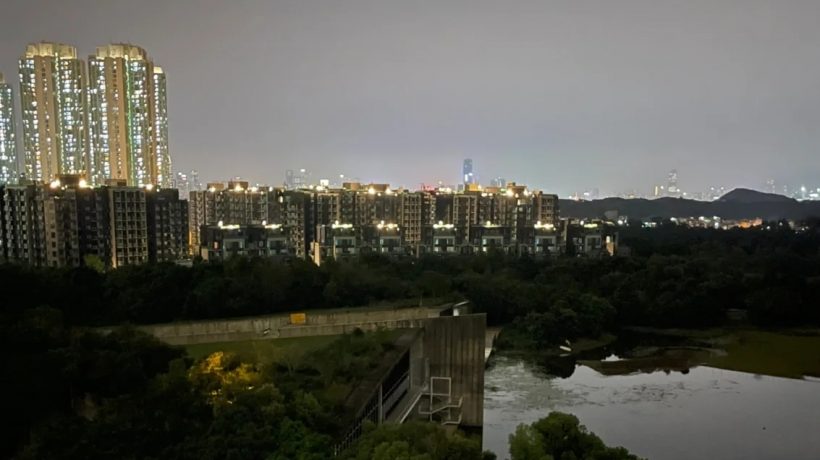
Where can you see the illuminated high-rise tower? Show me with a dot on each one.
(467, 171)
(163, 158)
(52, 98)
(8, 141)
(127, 116)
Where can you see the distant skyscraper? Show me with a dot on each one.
(499, 182)
(181, 183)
(672, 183)
(52, 97)
(8, 141)
(128, 121)
(467, 171)
(193, 180)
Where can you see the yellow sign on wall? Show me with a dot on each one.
(298, 318)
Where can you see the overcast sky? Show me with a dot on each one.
(562, 95)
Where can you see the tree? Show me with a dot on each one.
(559, 436)
(94, 262)
(528, 444)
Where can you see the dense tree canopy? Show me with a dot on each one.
(676, 277)
(560, 436)
(74, 393)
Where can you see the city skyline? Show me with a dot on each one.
(560, 96)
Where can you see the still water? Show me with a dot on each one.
(689, 413)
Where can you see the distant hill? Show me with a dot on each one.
(737, 204)
(744, 195)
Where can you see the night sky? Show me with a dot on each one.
(562, 95)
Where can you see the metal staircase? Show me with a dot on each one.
(438, 403)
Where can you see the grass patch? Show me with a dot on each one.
(769, 353)
(263, 351)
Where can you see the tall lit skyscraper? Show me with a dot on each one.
(52, 98)
(128, 117)
(8, 141)
(163, 158)
(467, 171)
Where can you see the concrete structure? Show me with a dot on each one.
(454, 349)
(8, 135)
(435, 373)
(127, 117)
(52, 97)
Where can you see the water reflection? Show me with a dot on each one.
(658, 404)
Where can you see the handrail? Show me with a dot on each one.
(410, 407)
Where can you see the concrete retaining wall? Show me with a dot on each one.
(278, 326)
(454, 347)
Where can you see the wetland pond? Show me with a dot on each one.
(744, 394)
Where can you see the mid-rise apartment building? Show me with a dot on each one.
(66, 221)
(167, 220)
